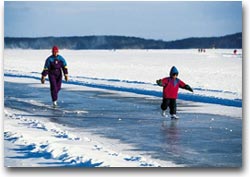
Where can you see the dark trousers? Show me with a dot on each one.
(55, 86)
(171, 103)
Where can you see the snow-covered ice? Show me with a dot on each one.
(37, 135)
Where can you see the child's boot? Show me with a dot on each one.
(174, 116)
(164, 114)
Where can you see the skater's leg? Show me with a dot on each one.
(53, 87)
(59, 83)
(172, 106)
(164, 104)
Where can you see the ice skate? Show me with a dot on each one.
(54, 104)
(174, 116)
(164, 114)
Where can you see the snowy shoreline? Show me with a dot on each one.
(208, 73)
(55, 144)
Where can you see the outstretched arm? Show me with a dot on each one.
(159, 82)
(187, 87)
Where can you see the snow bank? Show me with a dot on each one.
(44, 139)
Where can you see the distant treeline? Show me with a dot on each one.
(122, 42)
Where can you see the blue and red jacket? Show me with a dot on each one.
(54, 65)
(171, 85)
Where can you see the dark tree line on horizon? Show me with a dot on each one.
(122, 42)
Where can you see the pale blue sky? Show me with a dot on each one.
(151, 20)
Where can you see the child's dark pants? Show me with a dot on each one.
(171, 103)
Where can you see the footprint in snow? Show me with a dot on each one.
(132, 158)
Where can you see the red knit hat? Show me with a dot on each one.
(55, 49)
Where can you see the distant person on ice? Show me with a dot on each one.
(53, 67)
(170, 91)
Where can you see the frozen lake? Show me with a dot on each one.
(109, 110)
(195, 140)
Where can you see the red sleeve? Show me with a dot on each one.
(164, 81)
(181, 84)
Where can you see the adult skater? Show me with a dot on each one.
(170, 91)
(53, 67)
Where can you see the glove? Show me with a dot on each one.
(42, 79)
(158, 82)
(187, 87)
(66, 77)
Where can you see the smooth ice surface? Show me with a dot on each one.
(133, 121)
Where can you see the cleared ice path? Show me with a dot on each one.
(196, 140)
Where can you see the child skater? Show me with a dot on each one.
(170, 92)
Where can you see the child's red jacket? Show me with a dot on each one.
(171, 87)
